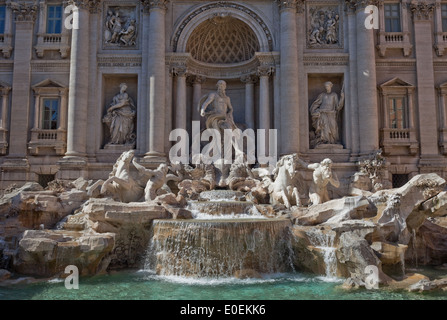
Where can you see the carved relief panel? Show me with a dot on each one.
(120, 27)
(324, 25)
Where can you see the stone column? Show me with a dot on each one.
(156, 76)
(4, 93)
(25, 16)
(264, 97)
(249, 81)
(168, 107)
(422, 17)
(180, 107)
(63, 110)
(94, 114)
(196, 95)
(79, 82)
(351, 84)
(366, 81)
(143, 85)
(36, 110)
(277, 101)
(289, 77)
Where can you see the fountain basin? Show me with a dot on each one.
(218, 195)
(221, 207)
(219, 248)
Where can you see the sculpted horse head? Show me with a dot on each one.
(285, 169)
(122, 165)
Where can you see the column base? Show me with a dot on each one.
(432, 163)
(153, 158)
(15, 171)
(15, 164)
(72, 167)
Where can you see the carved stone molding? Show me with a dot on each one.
(24, 11)
(326, 60)
(155, 4)
(300, 6)
(93, 6)
(178, 61)
(179, 71)
(246, 13)
(354, 5)
(286, 4)
(422, 10)
(198, 79)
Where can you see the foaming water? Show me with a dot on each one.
(324, 241)
(213, 281)
(254, 214)
(219, 247)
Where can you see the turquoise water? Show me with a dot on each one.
(131, 285)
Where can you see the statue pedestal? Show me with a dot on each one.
(329, 147)
(335, 152)
(119, 148)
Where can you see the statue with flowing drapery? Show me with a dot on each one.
(120, 118)
(324, 113)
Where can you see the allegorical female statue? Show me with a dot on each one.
(324, 111)
(120, 118)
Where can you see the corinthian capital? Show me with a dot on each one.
(24, 11)
(286, 4)
(422, 10)
(155, 4)
(91, 5)
(355, 5)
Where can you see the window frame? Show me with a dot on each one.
(43, 111)
(3, 19)
(388, 18)
(405, 110)
(52, 19)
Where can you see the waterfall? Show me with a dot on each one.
(324, 241)
(219, 248)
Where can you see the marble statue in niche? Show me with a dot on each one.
(217, 109)
(324, 113)
(120, 27)
(120, 118)
(324, 24)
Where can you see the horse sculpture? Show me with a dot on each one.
(282, 190)
(120, 183)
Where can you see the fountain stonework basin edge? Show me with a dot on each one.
(220, 221)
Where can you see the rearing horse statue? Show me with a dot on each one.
(282, 189)
(120, 183)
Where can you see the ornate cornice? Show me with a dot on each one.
(422, 10)
(300, 6)
(24, 11)
(198, 80)
(249, 78)
(354, 5)
(286, 4)
(264, 71)
(179, 71)
(155, 4)
(93, 6)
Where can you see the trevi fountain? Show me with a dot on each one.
(227, 230)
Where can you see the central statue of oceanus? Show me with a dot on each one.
(217, 109)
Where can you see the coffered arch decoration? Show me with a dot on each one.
(222, 40)
(219, 11)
